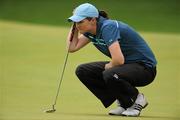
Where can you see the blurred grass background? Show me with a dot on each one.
(144, 15)
(32, 51)
(32, 58)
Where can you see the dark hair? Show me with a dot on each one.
(103, 14)
(89, 18)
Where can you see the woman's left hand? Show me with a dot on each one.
(108, 66)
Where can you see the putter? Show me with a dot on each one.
(62, 74)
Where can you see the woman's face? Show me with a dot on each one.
(86, 26)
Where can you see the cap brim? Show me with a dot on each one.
(75, 18)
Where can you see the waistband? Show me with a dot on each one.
(147, 65)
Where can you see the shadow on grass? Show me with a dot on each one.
(85, 114)
(163, 117)
(106, 115)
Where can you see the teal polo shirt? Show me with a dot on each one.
(133, 46)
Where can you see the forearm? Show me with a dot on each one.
(115, 62)
(117, 58)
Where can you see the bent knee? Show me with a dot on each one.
(79, 70)
(111, 76)
(107, 76)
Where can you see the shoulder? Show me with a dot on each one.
(109, 24)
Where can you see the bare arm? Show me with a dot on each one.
(78, 40)
(117, 57)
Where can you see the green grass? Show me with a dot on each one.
(31, 60)
(144, 15)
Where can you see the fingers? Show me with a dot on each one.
(72, 32)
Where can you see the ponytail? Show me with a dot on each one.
(103, 14)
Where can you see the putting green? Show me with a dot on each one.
(32, 57)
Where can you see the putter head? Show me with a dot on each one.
(50, 110)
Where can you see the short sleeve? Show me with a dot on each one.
(110, 33)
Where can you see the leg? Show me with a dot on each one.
(122, 80)
(90, 75)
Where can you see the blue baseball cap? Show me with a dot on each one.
(83, 11)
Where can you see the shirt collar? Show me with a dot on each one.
(100, 21)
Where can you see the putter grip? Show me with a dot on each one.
(72, 33)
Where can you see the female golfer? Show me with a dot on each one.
(132, 62)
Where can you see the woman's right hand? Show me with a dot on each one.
(72, 32)
(75, 40)
(72, 37)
